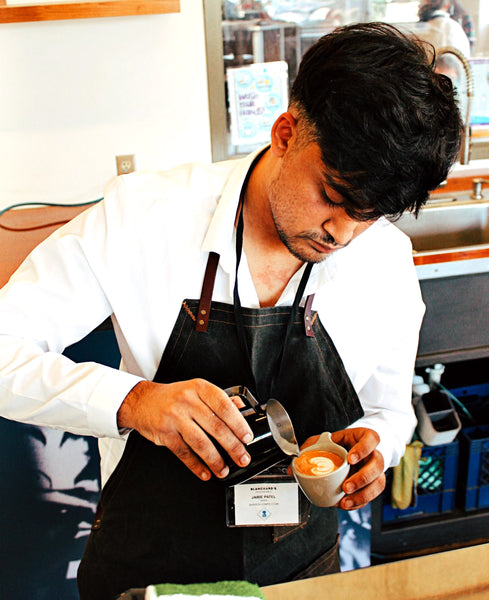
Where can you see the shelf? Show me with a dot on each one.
(407, 538)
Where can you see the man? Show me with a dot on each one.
(460, 14)
(278, 272)
(437, 26)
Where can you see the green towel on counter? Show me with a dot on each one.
(405, 476)
(221, 590)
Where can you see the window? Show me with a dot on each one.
(262, 45)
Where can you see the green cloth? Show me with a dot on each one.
(405, 476)
(220, 588)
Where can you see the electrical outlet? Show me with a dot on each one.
(125, 164)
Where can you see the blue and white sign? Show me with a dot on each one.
(258, 94)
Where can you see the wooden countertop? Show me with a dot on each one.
(455, 575)
(23, 229)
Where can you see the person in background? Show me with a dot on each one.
(280, 272)
(437, 27)
(460, 15)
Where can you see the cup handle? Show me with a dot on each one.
(324, 437)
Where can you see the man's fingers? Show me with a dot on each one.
(227, 409)
(365, 483)
(237, 401)
(364, 495)
(196, 451)
(219, 430)
(360, 442)
(183, 451)
(195, 419)
(367, 478)
(364, 473)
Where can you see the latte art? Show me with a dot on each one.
(318, 463)
(321, 465)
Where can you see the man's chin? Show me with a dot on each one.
(311, 255)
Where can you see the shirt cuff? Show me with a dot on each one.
(105, 401)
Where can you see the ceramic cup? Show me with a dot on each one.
(324, 487)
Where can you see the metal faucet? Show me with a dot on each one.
(465, 151)
(477, 184)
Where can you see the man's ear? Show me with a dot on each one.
(283, 131)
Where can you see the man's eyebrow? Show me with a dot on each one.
(365, 214)
(334, 202)
(330, 181)
(326, 183)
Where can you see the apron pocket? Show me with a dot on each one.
(280, 532)
(326, 564)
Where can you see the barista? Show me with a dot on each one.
(278, 272)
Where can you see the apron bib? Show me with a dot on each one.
(157, 522)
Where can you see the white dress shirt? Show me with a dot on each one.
(441, 30)
(138, 254)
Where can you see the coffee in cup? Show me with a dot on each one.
(320, 471)
(318, 462)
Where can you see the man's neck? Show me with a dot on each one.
(270, 262)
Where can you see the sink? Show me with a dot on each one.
(453, 222)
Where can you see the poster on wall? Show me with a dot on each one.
(258, 94)
(480, 101)
(354, 527)
(50, 488)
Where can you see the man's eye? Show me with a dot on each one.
(328, 201)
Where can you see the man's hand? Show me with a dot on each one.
(367, 479)
(180, 415)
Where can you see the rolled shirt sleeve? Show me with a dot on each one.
(48, 389)
(54, 300)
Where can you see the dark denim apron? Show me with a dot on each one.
(157, 522)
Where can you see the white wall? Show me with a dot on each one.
(74, 94)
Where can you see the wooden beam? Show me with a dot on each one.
(85, 10)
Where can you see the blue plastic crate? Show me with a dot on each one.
(476, 399)
(474, 447)
(438, 469)
(475, 474)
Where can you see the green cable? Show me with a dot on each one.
(12, 206)
(456, 401)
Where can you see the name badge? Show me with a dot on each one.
(263, 503)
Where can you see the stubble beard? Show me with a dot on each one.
(293, 244)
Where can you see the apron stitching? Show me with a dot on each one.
(187, 340)
(249, 326)
(188, 311)
(177, 340)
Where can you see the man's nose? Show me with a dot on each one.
(342, 229)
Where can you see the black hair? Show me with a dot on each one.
(428, 8)
(388, 125)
